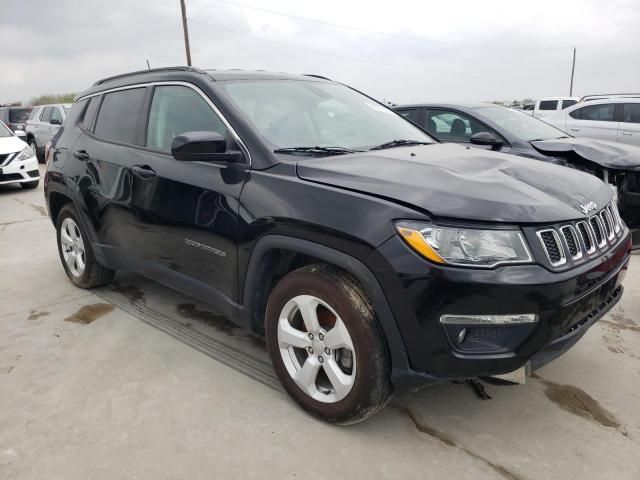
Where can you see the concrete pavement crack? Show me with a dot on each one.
(448, 441)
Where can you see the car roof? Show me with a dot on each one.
(184, 73)
(448, 105)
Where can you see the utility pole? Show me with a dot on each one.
(573, 69)
(186, 32)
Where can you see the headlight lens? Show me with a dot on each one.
(25, 154)
(468, 247)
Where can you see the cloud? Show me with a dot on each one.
(461, 50)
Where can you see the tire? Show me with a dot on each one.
(34, 147)
(92, 274)
(33, 184)
(346, 326)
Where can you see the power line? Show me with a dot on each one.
(374, 32)
(297, 47)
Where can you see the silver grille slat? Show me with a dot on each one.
(569, 232)
(562, 259)
(592, 241)
(607, 221)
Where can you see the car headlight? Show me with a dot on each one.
(467, 247)
(25, 154)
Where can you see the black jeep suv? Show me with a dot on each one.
(370, 255)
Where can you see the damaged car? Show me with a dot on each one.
(370, 256)
(506, 130)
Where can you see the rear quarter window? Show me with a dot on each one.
(548, 105)
(601, 113)
(120, 116)
(568, 103)
(631, 113)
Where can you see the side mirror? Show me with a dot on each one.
(202, 147)
(486, 139)
(55, 121)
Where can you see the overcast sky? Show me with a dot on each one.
(402, 50)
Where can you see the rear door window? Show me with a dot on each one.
(46, 115)
(631, 113)
(175, 110)
(548, 105)
(120, 116)
(56, 114)
(600, 113)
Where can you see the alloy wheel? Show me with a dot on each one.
(316, 349)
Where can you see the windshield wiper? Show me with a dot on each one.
(399, 143)
(327, 150)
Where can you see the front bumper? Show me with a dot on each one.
(567, 304)
(19, 172)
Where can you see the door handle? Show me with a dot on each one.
(627, 133)
(81, 155)
(574, 129)
(144, 171)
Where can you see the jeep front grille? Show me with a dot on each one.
(575, 240)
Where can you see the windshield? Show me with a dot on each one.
(520, 124)
(4, 131)
(19, 115)
(292, 114)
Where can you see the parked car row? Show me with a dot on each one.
(18, 164)
(35, 125)
(371, 254)
(511, 131)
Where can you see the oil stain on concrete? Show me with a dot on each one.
(219, 322)
(34, 315)
(89, 313)
(132, 292)
(578, 402)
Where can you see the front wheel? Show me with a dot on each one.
(326, 345)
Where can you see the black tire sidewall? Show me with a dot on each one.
(68, 211)
(371, 388)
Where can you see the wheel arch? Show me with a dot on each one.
(275, 255)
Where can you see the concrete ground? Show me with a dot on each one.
(136, 381)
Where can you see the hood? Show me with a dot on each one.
(448, 180)
(11, 144)
(618, 156)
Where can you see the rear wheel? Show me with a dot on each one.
(326, 345)
(76, 253)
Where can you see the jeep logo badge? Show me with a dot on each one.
(588, 207)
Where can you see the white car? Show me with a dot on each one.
(18, 163)
(545, 107)
(616, 119)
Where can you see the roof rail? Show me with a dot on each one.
(151, 70)
(603, 96)
(316, 76)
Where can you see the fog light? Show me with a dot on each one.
(517, 318)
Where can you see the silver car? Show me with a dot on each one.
(44, 122)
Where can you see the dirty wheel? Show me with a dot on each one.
(76, 253)
(326, 345)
